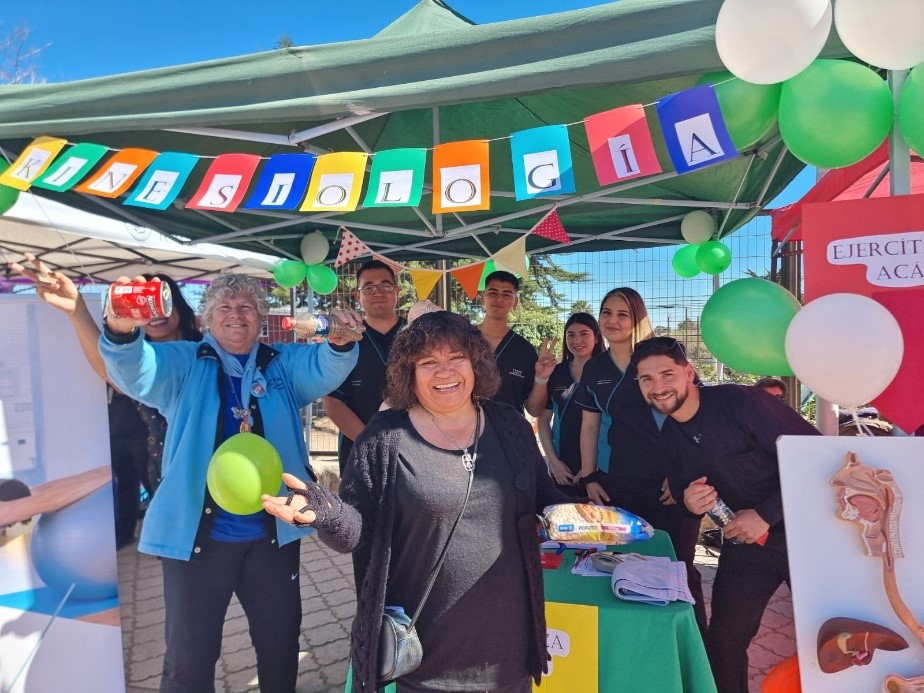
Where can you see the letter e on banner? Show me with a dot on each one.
(158, 187)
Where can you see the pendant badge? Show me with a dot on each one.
(243, 415)
(467, 461)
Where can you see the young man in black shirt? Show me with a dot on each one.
(352, 404)
(722, 444)
(524, 372)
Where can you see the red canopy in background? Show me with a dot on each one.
(850, 183)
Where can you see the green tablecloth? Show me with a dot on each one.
(641, 647)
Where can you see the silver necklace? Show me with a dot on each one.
(239, 412)
(468, 461)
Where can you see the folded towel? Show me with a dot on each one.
(652, 582)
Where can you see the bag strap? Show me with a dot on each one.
(468, 491)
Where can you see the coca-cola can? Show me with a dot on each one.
(141, 300)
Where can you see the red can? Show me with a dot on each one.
(141, 300)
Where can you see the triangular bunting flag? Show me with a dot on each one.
(513, 257)
(468, 277)
(396, 267)
(350, 248)
(424, 280)
(550, 227)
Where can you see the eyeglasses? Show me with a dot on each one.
(384, 287)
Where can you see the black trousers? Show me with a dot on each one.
(746, 579)
(129, 455)
(197, 593)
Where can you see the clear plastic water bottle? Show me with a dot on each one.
(307, 325)
(721, 514)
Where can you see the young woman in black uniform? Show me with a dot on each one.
(622, 462)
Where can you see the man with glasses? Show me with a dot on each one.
(721, 443)
(352, 404)
(524, 372)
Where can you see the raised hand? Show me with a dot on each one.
(547, 360)
(285, 508)
(53, 287)
(124, 325)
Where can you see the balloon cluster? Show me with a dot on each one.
(832, 113)
(321, 278)
(702, 254)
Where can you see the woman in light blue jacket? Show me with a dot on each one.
(208, 392)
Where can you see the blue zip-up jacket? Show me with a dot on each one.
(181, 380)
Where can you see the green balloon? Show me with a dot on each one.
(713, 257)
(242, 469)
(289, 273)
(489, 267)
(834, 113)
(322, 279)
(744, 325)
(749, 110)
(684, 261)
(8, 195)
(911, 110)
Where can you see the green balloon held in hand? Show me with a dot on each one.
(744, 326)
(322, 279)
(713, 257)
(749, 110)
(242, 469)
(684, 261)
(289, 273)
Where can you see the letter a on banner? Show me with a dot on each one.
(225, 183)
(163, 180)
(694, 129)
(461, 178)
(282, 182)
(541, 162)
(620, 144)
(116, 175)
(71, 166)
(336, 182)
(397, 178)
(32, 162)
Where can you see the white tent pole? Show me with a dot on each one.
(899, 154)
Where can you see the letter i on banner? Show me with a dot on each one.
(461, 177)
(282, 182)
(163, 180)
(620, 144)
(336, 183)
(117, 174)
(541, 162)
(71, 167)
(397, 178)
(32, 163)
(225, 183)
(694, 130)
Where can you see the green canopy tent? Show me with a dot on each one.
(429, 77)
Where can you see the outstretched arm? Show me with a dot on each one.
(54, 495)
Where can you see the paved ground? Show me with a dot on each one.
(328, 605)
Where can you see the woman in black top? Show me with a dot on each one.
(560, 422)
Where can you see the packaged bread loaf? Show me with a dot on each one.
(595, 524)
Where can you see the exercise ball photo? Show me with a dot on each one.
(242, 469)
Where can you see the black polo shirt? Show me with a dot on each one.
(362, 391)
(566, 416)
(516, 361)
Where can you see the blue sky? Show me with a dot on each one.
(104, 37)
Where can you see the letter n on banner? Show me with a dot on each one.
(282, 182)
(32, 162)
(694, 129)
(163, 180)
(71, 167)
(541, 162)
(225, 183)
(461, 177)
(397, 178)
(116, 175)
(336, 182)
(620, 144)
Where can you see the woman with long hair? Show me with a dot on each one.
(560, 422)
(621, 451)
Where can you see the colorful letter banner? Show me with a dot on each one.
(461, 177)
(468, 277)
(620, 144)
(118, 173)
(163, 180)
(32, 163)
(694, 129)
(542, 162)
(72, 166)
(397, 178)
(424, 280)
(282, 182)
(225, 183)
(336, 182)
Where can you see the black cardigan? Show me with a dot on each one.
(364, 521)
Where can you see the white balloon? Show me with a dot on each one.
(847, 348)
(314, 248)
(697, 227)
(884, 33)
(769, 41)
